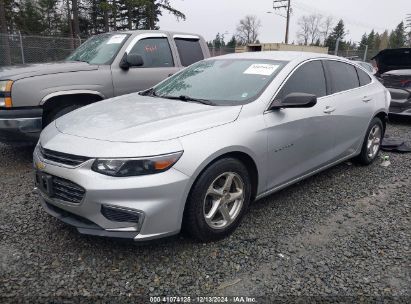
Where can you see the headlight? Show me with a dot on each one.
(5, 93)
(122, 167)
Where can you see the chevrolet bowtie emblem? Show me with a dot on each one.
(40, 165)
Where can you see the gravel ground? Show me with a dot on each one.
(344, 232)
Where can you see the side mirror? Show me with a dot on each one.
(131, 60)
(295, 100)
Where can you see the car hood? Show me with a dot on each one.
(29, 70)
(393, 59)
(135, 118)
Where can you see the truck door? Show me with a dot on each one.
(159, 63)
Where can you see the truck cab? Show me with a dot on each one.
(105, 66)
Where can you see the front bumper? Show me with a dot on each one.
(159, 199)
(19, 126)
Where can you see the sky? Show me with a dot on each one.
(207, 18)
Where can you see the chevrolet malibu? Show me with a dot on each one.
(193, 151)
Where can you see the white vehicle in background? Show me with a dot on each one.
(368, 66)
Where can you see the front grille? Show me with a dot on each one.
(60, 188)
(66, 190)
(119, 215)
(62, 158)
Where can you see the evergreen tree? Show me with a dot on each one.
(377, 41)
(384, 40)
(363, 42)
(337, 32)
(370, 40)
(232, 43)
(397, 37)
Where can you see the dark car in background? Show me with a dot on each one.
(394, 71)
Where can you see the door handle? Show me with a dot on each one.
(329, 110)
(171, 74)
(366, 99)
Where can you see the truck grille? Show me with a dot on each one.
(62, 158)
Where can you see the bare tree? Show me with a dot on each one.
(313, 28)
(3, 32)
(309, 28)
(248, 30)
(326, 27)
(303, 33)
(314, 23)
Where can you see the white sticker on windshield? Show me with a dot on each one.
(261, 69)
(116, 39)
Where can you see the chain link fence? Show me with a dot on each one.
(20, 49)
(362, 55)
(220, 51)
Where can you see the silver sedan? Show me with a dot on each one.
(195, 150)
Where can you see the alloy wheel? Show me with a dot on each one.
(224, 200)
(374, 141)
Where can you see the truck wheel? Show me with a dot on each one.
(53, 115)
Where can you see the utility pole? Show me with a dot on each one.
(279, 4)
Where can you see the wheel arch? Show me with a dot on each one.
(245, 158)
(59, 100)
(384, 117)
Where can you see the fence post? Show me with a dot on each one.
(337, 43)
(21, 48)
(365, 53)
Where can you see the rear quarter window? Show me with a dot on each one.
(189, 50)
(343, 76)
(363, 77)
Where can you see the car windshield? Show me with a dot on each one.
(221, 81)
(99, 49)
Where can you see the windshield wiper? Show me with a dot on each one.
(78, 60)
(149, 92)
(188, 99)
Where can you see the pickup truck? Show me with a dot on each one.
(105, 66)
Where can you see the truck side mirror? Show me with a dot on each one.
(131, 60)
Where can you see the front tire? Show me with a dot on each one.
(372, 142)
(57, 113)
(218, 200)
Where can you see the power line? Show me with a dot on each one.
(347, 20)
(286, 4)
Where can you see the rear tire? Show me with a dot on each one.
(372, 142)
(218, 200)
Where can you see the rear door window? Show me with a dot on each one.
(343, 76)
(189, 50)
(156, 52)
(363, 77)
(309, 78)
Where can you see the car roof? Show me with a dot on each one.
(279, 55)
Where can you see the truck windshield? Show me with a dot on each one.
(100, 49)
